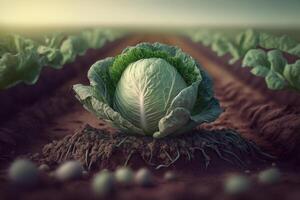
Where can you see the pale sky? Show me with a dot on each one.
(150, 12)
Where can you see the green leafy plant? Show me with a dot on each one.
(237, 45)
(22, 59)
(19, 61)
(50, 50)
(247, 45)
(274, 68)
(150, 89)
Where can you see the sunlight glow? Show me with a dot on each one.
(152, 12)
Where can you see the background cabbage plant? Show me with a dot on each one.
(150, 89)
(276, 70)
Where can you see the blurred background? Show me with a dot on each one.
(154, 15)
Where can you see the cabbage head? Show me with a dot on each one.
(150, 89)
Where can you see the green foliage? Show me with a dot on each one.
(19, 63)
(256, 57)
(150, 89)
(292, 74)
(274, 68)
(295, 50)
(274, 80)
(220, 46)
(71, 47)
(246, 45)
(237, 46)
(50, 50)
(22, 59)
(277, 61)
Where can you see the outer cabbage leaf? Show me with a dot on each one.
(295, 50)
(179, 112)
(292, 74)
(277, 61)
(8, 74)
(20, 64)
(53, 57)
(275, 81)
(208, 113)
(17, 68)
(85, 95)
(181, 117)
(207, 108)
(172, 122)
(220, 46)
(71, 47)
(256, 58)
(186, 98)
(268, 41)
(234, 52)
(100, 80)
(247, 40)
(50, 50)
(286, 43)
(260, 71)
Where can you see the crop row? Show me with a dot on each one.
(22, 59)
(262, 52)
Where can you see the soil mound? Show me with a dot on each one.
(97, 149)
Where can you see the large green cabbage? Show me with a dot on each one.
(150, 89)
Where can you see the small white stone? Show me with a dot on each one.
(124, 176)
(103, 183)
(269, 176)
(144, 177)
(170, 176)
(44, 167)
(236, 184)
(85, 173)
(23, 172)
(69, 170)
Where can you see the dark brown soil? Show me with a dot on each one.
(270, 119)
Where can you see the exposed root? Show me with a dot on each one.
(95, 148)
(128, 158)
(170, 163)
